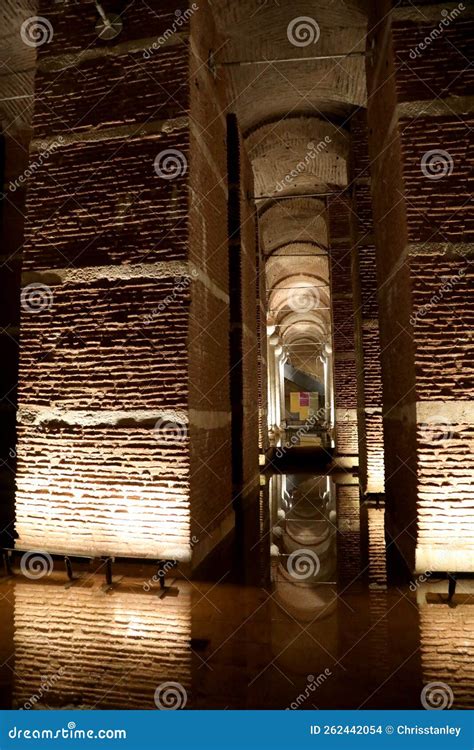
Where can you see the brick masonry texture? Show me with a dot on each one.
(103, 490)
(243, 285)
(113, 359)
(441, 69)
(446, 639)
(345, 376)
(128, 90)
(422, 227)
(439, 210)
(123, 430)
(348, 526)
(103, 204)
(364, 281)
(443, 312)
(61, 642)
(208, 341)
(82, 17)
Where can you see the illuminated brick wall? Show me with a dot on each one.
(420, 129)
(369, 376)
(124, 413)
(345, 371)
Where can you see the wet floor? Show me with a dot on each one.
(303, 619)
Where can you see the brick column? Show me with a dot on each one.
(345, 379)
(124, 413)
(420, 117)
(364, 282)
(243, 316)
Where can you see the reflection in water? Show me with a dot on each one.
(80, 647)
(303, 545)
(327, 609)
(447, 640)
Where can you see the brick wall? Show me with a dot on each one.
(419, 135)
(348, 542)
(124, 432)
(364, 280)
(345, 377)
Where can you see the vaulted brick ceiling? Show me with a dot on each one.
(294, 115)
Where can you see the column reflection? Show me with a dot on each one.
(81, 647)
